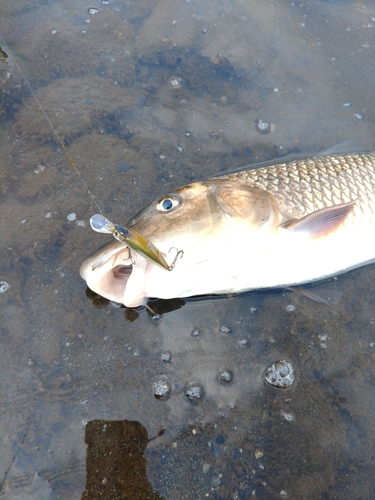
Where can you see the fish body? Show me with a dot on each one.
(279, 225)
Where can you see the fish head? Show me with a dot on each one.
(194, 228)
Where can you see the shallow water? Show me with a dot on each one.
(148, 96)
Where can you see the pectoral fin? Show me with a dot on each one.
(321, 222)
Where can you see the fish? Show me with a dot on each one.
(279, 225)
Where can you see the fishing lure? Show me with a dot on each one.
(132, 239)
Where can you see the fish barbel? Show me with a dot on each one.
(279, 225)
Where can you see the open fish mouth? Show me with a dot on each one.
(122, 273)
(110, 272)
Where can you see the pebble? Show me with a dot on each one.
(225, 329)
(71, 217)
(166, 357)
(263, 127)
(4, 286)
(280, 374)
(175, 82)
(215, 481)
(215, 450)
(226, 377)
(162, 388)
(194, 393)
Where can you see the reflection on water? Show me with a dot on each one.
(115, 464)
(148, 96)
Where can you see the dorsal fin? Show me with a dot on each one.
(321, 222)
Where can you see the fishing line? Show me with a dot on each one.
(73, 164)
(136, 241)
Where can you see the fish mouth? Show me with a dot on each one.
(109, 272)
(122, 272)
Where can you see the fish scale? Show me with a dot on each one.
(303, 186)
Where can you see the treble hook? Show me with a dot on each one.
(132, 260)
(179, 252)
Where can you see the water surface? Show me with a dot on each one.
(148, 96)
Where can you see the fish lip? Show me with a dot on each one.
(100, 258)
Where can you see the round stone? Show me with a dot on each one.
(162, 388)
(280, 374)
(226, 377)
(4, 286)
(166, 356)
(263, 127)
(194, 392)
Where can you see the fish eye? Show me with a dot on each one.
(167, 204)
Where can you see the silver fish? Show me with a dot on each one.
(279, 225)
